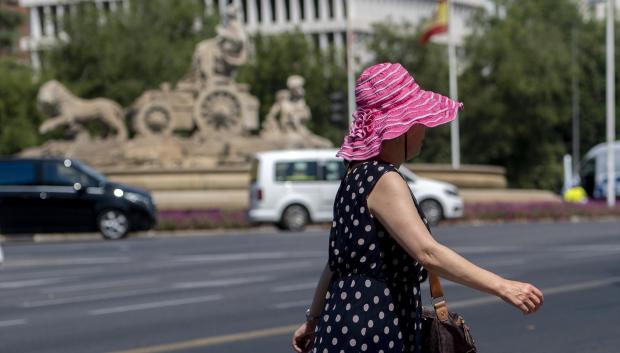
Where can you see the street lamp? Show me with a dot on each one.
(611, 105)
(350, 62)
(611, 102)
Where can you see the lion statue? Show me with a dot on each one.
(67, 110)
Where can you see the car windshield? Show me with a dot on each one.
(90, 171)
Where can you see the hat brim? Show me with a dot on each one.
(424, 107)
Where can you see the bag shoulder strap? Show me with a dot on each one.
(439, 302)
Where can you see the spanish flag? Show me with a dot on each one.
(439, 23)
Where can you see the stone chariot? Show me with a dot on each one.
(213, 109)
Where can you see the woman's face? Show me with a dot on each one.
(415, 136)
(394, 150)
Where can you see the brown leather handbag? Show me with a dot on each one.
(444, 331)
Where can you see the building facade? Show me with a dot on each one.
(325, 21)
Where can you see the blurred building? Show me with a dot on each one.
(325, 21)
(595, 9)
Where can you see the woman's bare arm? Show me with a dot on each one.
(390, 201)
(321, 290)
(304, 335)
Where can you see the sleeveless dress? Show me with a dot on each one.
(373, 303)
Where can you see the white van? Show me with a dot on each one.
(593, 170)
(292, 188)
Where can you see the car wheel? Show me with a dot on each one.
(295, 218)
(432, 210)
(113, 224)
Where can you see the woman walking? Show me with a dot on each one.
(380, 246)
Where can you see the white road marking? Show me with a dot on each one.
(581, 286)
(67, 261)
(589, 248)
(250, 256)
(48, 273)
(99, 285)
(295, 287)
(154, 305)
(88, 298)
(485, 249)
(458, 304)
(288, 305)
(507, 262)
(30, 283)
(221, 282)
(173, 288)
(589, 251)
(263, 268)
(546, 291)
(9, 323)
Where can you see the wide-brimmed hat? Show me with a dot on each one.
(389, 102)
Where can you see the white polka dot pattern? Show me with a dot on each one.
(373, 300)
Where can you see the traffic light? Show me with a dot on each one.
(338, 107)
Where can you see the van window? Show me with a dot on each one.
(56, 173)
(297, 171)
(333, 170)
(17, 173)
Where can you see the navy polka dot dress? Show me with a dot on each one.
(373, 302)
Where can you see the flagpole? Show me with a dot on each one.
(454, 125)
(350, 70)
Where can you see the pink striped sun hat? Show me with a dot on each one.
(389, 102)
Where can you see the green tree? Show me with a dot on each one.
(120, 54)
(19, 118)
(517, 88)
(9, 24)
(276, 57)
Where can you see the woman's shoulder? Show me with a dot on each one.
(370, 172)
(389, 189)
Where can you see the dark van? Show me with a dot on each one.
(46, 195)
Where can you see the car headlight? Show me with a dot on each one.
(451, 192)
(137, 198)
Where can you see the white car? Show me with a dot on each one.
(292, 188)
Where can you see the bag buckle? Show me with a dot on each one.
(441, 308)
(437, 301)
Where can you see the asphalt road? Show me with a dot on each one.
(246, 292)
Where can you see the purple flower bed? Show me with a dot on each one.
(202, 219)
(503, 211)
(474, 212)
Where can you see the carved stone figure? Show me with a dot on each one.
(271, 125)
(293, 114)
(217, 58)
(67, 110)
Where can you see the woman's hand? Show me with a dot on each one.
(524, 296)
(303, 338)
